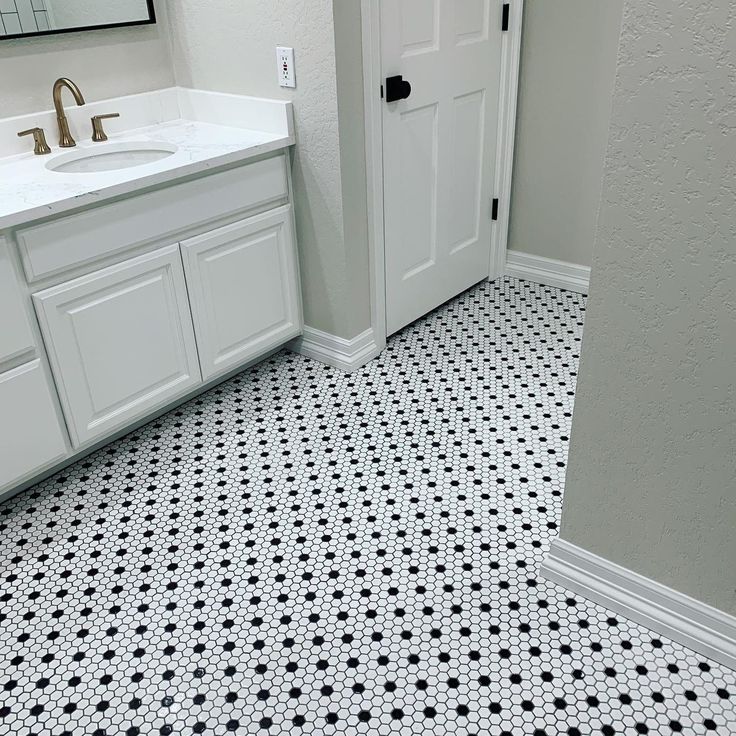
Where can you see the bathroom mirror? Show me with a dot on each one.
(21, 18)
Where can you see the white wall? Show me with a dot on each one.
(230, 46)
(566, 82)
(105, 63)
(651, 483)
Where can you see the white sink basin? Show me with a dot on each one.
(110, 157)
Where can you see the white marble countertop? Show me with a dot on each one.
(29, 190)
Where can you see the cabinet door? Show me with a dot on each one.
(15, 333)
(120, 342)
(244, 289)
(30, 436)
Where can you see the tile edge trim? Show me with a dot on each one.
(547, 271)
(706, 630)
(338, 352)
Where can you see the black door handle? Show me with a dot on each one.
(397, 88)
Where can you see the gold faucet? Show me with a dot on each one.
(40, 148)
(65, 137)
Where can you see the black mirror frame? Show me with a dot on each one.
(150, 21)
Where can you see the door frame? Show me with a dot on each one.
(372, 80)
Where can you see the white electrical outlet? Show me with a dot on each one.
(285, 58)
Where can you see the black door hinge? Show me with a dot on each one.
(494, 210)
(505, 17)
(381, 91)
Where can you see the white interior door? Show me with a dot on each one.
(439, 149)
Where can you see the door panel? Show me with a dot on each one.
(439, 150)
(15, 336)
(418, 153)
(471, 21)
(120, 342)
(467, 169)
(30, 435)
(419, 21)
(244, 290)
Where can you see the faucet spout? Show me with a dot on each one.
(65, 137)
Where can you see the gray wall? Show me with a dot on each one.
(351, 124)
(651, 482)
(567, 71)
(231, 47)
(105, 63)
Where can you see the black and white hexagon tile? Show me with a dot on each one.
(301, 551)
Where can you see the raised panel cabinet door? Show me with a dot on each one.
(15, 332)
(120, 342)
(244, 290)
(31, 437)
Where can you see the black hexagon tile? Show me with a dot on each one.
(302, 551)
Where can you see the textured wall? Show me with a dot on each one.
(230, 46)
(105, 63)
(566, 82)
(652, 475)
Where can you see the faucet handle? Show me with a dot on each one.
(98, 132)
(40, 147)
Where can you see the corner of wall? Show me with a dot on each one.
(351, 126)
(163, 18)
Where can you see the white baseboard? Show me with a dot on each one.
(706, 630)
(547, 271)
(348, 355)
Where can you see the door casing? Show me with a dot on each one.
(372, 80)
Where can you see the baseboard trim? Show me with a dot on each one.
(347, 355)
(700, 627)
(547, 271)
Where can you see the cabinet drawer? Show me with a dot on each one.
(15, 333)
(93, 234)
(244, 289)
(30, 435)
(120, 342)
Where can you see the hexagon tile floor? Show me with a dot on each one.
(301, 551)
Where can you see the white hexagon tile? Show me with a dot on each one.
(302, 551)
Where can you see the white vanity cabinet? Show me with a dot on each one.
(31, 436)
(15, 336)
(140, 302)
(241, 284)
(120, 342)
